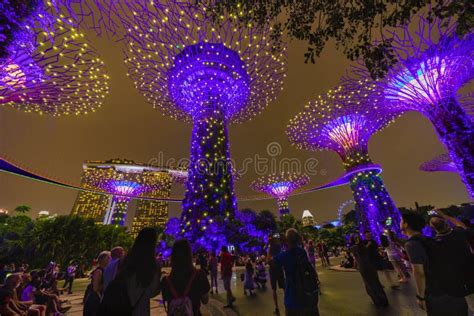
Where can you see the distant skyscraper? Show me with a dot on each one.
(91, 205)
(153, 213)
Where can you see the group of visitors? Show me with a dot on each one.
(32, 293)
(442, 266)
(123, 283)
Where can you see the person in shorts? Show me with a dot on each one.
(277, 277)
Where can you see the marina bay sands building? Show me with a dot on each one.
(114, 183)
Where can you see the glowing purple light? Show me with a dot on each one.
(207, 77)
(345, 131)
(433, 64)
(280, 189)
(343, 120)
(280, 186)
(211, 76)
(125, 187)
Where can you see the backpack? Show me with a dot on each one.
(180, 305)
(116, 300)
(450, 264)
(306, 282)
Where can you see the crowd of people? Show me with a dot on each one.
(441, 265)
(31, 293)
(123, 283)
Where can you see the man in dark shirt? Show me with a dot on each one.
(428, 296)
(287, 259)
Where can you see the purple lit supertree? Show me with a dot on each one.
(51, 69)
(280, 186)
(124, 180)
(433, 64)
(442, 162)
(343, 120)
(209, 76)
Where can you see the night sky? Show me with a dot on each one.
(127, 127)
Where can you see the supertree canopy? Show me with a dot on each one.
(50, 68)
(433, 64)
(211, 76)
(124, 180)
(440, 163)
(280, 186)
(343, 120)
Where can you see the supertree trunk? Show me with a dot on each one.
(283, 206)
(377, 211)
(120, 211)
(210, 187)
(456, 131)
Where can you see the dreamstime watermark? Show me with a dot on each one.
(260, 165)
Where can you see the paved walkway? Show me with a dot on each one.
(343, 293)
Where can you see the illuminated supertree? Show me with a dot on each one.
(209, 76)
(280, 186)
(343, 120)
(433, 64)
(440, 163)
(124, 180)
(50, 68)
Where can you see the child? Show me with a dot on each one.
(261, 275)
(248, 282)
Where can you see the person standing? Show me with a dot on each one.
(95, 290)
(117, 254)
(70, 276)
(141, 272)
(311, 251)
(326, 254)
(185, 283)
(277, 277)
(368, 271)
(213, 265)
(202, 262)
(248, 279)
(296, 265)
(431, 268)
(394, 255)
(226, 272)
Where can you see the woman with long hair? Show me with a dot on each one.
(141, 272)
(184, 280)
